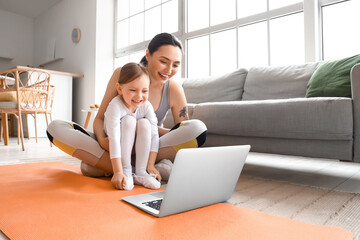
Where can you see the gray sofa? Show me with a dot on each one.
(266, 108)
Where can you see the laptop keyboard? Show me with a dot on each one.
(153, 204)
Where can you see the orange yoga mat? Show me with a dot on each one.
(54, 201)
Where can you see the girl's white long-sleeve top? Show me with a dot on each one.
(113, 115)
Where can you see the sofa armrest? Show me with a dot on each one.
(355, 92)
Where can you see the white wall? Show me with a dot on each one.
(27, 41)
(92, 56)
(17, 40)
(104, 46)
(57, 24)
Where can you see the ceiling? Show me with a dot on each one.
(28, 8)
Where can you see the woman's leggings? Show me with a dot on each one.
(69, 137)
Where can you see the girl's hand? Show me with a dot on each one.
(154, 172)
(118, 180)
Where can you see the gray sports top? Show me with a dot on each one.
(164, 104)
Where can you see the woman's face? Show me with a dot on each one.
(164, 63)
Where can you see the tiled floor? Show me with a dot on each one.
(324, 173)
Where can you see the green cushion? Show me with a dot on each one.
(332, 79)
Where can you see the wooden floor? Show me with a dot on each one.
(324, 173)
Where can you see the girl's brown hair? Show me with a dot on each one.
(130, 71)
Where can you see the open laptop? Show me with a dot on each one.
(199, 177)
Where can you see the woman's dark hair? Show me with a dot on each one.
(160, 40)
(130, 71)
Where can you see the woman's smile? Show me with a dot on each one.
(164, 76)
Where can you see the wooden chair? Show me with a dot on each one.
(24, 98)
(1, 130)
(11, 118)
(46, 110)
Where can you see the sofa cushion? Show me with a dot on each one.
(278, 82)
(8, 104)
(297, 118)
(228, 87)
(332, 79)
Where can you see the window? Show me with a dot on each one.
(222, 11)
(341, 35)
(198, 14)
(132, 57)
(222, 35)
(253, 45)
(223, 52)
(274, 4)
(198, 56)
(137, 21)
(242, 33)
(287, 40)
(247, 8)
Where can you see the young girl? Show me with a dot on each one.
(130, 116)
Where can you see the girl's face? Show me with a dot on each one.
(134, 93)
(164, 63)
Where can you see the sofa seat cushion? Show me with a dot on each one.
(8, 104)
(227, 87)
(278, 82)
(297, 118)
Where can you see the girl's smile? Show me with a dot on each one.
(134, 93)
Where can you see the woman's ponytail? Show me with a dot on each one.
(144, 61)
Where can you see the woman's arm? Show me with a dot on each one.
(177, 102)
(98, 125)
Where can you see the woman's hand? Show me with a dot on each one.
(163, 131)
(154, 172)
(118, 180)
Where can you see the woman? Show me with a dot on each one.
(162, 59)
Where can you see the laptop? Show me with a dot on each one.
(199, 177)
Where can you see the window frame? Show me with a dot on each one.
(120, 52)
(235, 24)
(312, 29)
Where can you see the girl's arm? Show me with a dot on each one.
(118, 180)
(151, 166)
(154, 148)
(98, 125)
(112, 127)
